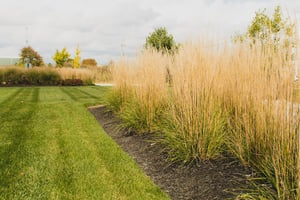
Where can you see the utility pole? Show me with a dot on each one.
(27, 62)
(122, 49)
(26, 36)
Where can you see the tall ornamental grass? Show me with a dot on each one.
(208, 99)
(140, 90)
(263, 126)
(194, 123)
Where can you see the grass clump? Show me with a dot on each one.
(194, 124)
(137, 97)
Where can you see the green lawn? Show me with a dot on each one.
(51, 147)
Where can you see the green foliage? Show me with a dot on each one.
(161, 40)
(89, 62)
(61, 57)
(260, 26)
(268, 30)
(34, 57)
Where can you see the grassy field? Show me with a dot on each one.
(51, 147)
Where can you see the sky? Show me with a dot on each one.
(106, 30)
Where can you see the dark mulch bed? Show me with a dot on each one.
(223, 178)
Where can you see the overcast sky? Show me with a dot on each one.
(103, 28)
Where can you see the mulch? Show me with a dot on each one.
(224, 178)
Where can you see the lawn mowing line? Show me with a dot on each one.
(95, 147)
(14, 104)
(45, 153)
(12, 159)
(12, 96)
(67, 175)
(87, 94)
(111, 158)
(69, 94)
(64, 174)
(76, 94)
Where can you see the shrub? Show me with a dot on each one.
(89, 62)
(44, 76)
(86, 75)
(33, 77)
(49, 77)
(72, 82)
(13, 76)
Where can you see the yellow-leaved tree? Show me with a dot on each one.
(76, 61)
(61, 57)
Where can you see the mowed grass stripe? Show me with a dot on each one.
(124, 178)
(87, 93)
(16, 126)
(9, 94)
(64, 153)
(85, 96)
(78, 158)
(75, 94)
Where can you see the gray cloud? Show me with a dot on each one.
(102, 29)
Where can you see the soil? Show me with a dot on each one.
(224, 178)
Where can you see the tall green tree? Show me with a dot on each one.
(161, 40)
(28, 54)
(61, 57)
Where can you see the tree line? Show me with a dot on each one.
(62, 58)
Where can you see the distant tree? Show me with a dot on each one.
(76, 61)
(161, 40)
(89, 62)
(266, 29)
(61, 57)
(33, 57)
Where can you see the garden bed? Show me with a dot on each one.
(224, 178)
